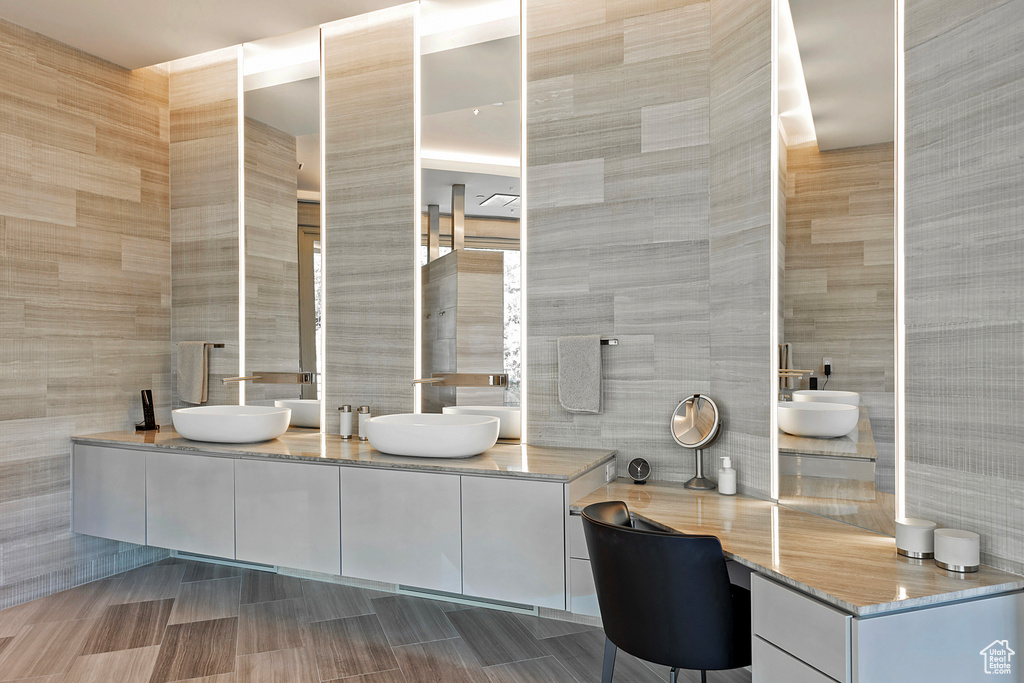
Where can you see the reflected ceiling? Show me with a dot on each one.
(137, 33)
(437, 189)
(848, 53)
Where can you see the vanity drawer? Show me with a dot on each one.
(772, 665)
(577, 541)
(808, 629)
(583, 594)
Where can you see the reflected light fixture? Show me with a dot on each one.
(501, 200)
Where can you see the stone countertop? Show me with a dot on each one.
(860, 443)
(309, 445)
(854, 569)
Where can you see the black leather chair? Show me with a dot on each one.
(665, 597)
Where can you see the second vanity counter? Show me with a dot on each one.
(830, 602)
(851, 568)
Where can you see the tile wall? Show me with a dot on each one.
(204, 211)
(964, 274)
(369, 239)
(635, 232)
(85, 286)
(271, 260)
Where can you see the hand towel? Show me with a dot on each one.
(579, 373)
(193, 376)
(785, 360)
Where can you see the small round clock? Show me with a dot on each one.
(639, 470)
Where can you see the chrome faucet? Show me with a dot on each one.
(275, 378)
(465, 379)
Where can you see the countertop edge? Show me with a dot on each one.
(602, 456)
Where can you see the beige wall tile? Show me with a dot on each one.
(84, 290)
(371, 230)
(964, 246)
(271, 259)
(620, 192)
(204, 126)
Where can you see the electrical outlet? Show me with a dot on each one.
(826, 366)
(609, 471)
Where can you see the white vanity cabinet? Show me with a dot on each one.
(190, 503)
(493, 528)
(963, 642)
(798, 639)
(513, 540)
(401, 527)
(108, 493)
(288, 514)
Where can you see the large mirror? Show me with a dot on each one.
(836, 228)
(282, 216)
(471, 138)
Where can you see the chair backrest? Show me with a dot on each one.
(664, 597)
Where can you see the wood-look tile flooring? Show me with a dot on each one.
(204, 623)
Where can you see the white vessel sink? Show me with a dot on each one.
(510, 418)
(430, 435)
(231, 424)
(850, 398)
(822, 420)
(305, 411)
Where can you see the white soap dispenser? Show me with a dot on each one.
(727, 478)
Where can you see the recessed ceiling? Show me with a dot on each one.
(848, 52)
(437, 189)
(471, 109)
(795, 120)
(470, 76)
(292, 107)
(137, 33)
(307, 153)
(488, 137)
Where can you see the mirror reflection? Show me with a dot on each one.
(836, 244)
(282, 218)
(469, 254)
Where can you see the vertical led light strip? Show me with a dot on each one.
(322, 350)
(522, 226)
(776, 554)
(901, 329)
(773, 279)
(241, 223)
(417, 285)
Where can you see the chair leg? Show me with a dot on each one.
(703, 676)
(609, 661)
(673, 675)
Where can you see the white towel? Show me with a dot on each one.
(579, 374)
(193, 376)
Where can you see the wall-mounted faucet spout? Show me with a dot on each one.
(275, 378)
(465, 379)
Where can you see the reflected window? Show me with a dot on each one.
(513, 327)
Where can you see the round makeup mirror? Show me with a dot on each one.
(696, 424)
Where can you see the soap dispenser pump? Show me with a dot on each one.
(727, 478)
